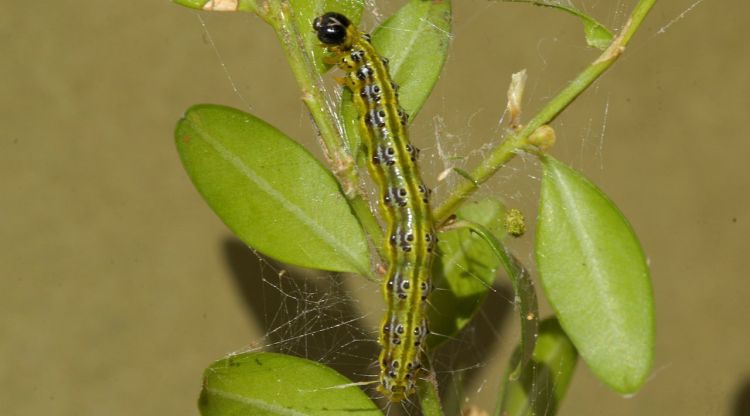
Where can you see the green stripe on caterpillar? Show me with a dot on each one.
(403, 204)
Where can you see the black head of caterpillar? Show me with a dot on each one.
(332, 28)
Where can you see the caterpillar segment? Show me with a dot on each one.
(404, 202)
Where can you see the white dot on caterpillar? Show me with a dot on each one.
(364, 73)
(345, 62)
(394, 195)
(371, 93)
(388, 197)
(375, 117)
(357, 55)
(402, 288)
(393, 281)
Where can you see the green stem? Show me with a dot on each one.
(517, 141)
(429, 400)
(278, 15)
(362, 211)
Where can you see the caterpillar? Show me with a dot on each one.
(403, 202)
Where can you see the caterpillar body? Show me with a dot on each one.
(404, 202)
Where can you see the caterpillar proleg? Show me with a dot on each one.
(404, 202)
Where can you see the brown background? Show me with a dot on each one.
(115, 288)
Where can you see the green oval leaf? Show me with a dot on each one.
(463, 271)
(270, 191)
(415, 40)
(597, 35)
(220, 5)
(266, 384)
(305, 12)
(545, 379)
(596, 277)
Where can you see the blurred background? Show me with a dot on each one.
(118, 285)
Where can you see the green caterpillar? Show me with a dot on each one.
(392, 163)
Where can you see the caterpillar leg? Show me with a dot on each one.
(330, 59)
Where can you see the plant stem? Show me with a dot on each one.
(362, 211)
(517, 141)
(343, 166)
(278, 15)
(429, 400)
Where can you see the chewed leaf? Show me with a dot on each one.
(597, 35)
(545, 379)
(220, 5)
(415, 40)
(270, 191)
(523, 288)
(464, 270)
(596, 277)
(305, 12)
(264, 383)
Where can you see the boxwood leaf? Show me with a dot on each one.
(415, 40)
(544, 380)
(271, 384)
(596, 277)
(464, 270)
(270, 191)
